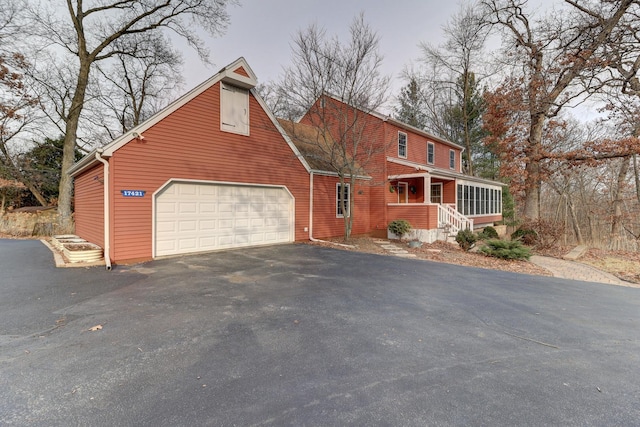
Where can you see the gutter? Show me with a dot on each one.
(107, 229)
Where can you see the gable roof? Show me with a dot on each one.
(387, 118)
(309, 141)
(238, 73)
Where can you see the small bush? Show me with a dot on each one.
(488, 233)
(526, 235)
(505, 249)
(466, 239)
(549, 232)
(399, 227)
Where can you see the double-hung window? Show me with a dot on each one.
(452, 159)
(342, 200)
(431, 153)
(402, 145)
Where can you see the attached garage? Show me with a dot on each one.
(205, 216)
(208, 172)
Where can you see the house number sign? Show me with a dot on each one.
(132, 193)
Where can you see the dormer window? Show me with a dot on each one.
(234, 109)
(402, 145)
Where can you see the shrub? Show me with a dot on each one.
(526, 235)
(549, 232)
(466, 239)
(399, 227)
(542, 233)
(488, 233)
(505, 249)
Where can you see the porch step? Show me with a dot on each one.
(394, 250)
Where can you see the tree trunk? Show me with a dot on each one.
(617, 231)
(71, 132)
(532, 170)
(465, 119)
(574, 221)
(636, 173)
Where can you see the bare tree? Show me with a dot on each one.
(453, 73)
(551, 55)
(97, 31)
(337, 86)
(139, 84)
(18, 104)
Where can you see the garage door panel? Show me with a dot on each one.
(192, 217)
(166, 207)
(185, 226)
(186, 244)
(166, 226)
(207, 225)
(187, 207)
(207, 207)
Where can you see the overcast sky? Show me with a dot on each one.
(261, 31)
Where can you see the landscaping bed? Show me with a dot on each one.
(624, 265)
(442, 252)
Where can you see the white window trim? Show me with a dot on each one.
(454, 159)
(406, 145)
(341, 215)
(431, 144)
(435, 184)
(495, 208)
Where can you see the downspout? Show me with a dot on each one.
(311, 207)
(107, 229)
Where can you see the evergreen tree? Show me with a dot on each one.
(42, 165)
(463, 125)
(411, 107)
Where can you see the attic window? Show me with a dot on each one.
(234, 109)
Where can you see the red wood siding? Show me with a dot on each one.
(241, 71)
(189, 144)
(486, 219)
(449, 194)
(325, 222)
(417, 148)
(396, 169)
(419, 216)
(89, 206)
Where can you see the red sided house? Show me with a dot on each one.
(213, 170)
(216, 170)
(413, 176)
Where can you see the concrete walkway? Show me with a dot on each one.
(561, 268)
(577, 271)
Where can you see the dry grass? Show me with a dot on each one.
(622, 264)
(30, 223)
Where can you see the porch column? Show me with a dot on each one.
(427, 188)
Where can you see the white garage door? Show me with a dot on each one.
(196, 217)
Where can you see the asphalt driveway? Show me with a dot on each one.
(303, 335)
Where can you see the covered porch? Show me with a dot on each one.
(428, 202)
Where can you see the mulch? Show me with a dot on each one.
(441, 252)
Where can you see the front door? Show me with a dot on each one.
(403, 192)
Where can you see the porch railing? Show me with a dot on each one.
(451, 219)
